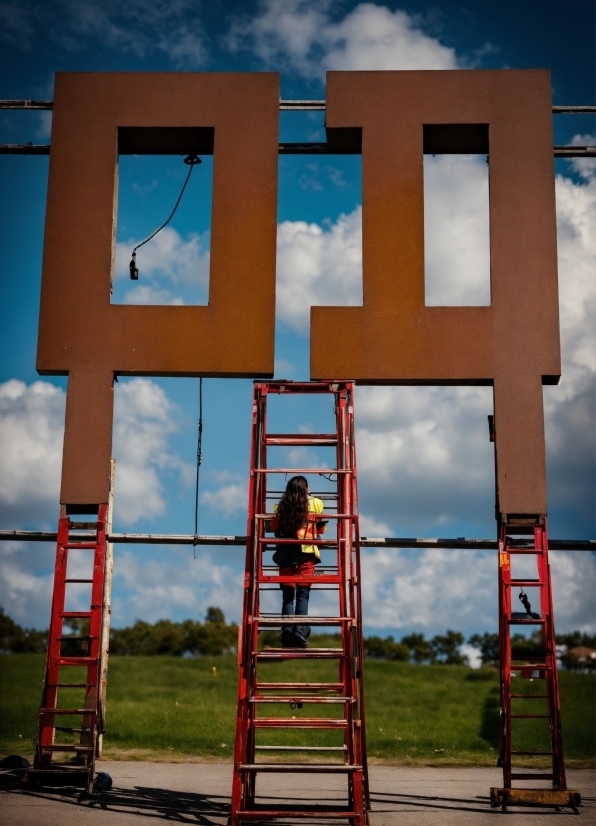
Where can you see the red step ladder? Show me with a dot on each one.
(72, 708)
(280, 702)
(528, 711)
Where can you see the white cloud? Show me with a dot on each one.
(144, 418)
(31, 435)
(139, 27)
(586, 167)
(456, 230)
(167, 256)
(179, 588)
(303, 36)
(230, 497)
(31, 428)
(318, 265)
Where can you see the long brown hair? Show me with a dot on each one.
(292, 510)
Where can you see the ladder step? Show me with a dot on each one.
(310, 812)
(301, 722)
(291, 439)
(300, 654)
(78, 580)
(75, 660)
(525, 621)
(84, 637)
(301, 748)
(518, 751)
(527, 776)
(81, 545)
(304, 698)
(70, 685)
(534, 666)
(86, 730)
(67, 711)
(304, 686)
(301, 619)
(83, 526)
(65, 747)
(307, 768)
(75, 614)
(527, 582)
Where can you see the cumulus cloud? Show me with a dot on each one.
(138, 27)
(230, 497)
(179, 588)
(304, 36)
(31, 435)
(144, 418)
(31, 431)
(318, 265)
(169, 266)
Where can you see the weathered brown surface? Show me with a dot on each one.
(394, 338)
(81, 334)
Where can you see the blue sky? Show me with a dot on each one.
(424, 457)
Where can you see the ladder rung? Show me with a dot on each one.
(86, 730)
(301, 748)
(314, 768)
(525, 582)
(313, 811)
(75, 660)
(525, 666)
(70, 685)
(300, 653)
(85, 637)
(527, 776)
(83, 526)
(517, 751)
(304, 698)
(81, 545)
(302, 470)
(305, 686)
(299, 619)
(526, 622)
(64, 747)
(73, 614)
(67, 711)
(78, 580)
(301, 439)
(302, 722)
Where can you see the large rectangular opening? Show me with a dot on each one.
(456, 216)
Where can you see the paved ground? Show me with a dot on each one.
(198, 793)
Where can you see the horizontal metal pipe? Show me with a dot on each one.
(459, 543)
(284, 105)
(291, 149)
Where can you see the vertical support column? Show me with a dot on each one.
(106, 618)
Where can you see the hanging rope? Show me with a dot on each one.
(191, 161)
(199, 460)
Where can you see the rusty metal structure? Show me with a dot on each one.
(392, 118)
(339, 700)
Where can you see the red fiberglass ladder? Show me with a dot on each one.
(530, 706)
(72, 707)
(294, 701)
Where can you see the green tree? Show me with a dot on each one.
(446, 648)
(385, 649)
(421, 650)
(489, 647)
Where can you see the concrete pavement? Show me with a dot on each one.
(199, 793)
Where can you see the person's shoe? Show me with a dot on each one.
(299, 642)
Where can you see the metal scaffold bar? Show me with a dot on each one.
(458, 543)
(284, 105)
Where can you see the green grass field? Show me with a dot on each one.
(171, 708)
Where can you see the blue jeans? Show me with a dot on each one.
(301, 593)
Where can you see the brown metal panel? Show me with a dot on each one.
(394, 338)
(81, 334)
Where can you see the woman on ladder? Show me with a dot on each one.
(297, 517)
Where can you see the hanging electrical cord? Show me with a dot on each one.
(191, 161)
(199, 460)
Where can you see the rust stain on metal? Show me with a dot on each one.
(85, 337)
(394, 338)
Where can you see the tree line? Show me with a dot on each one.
(215, 636)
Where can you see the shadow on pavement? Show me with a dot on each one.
(181, 807)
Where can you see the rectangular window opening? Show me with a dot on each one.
(173, 267)
(456, 216)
